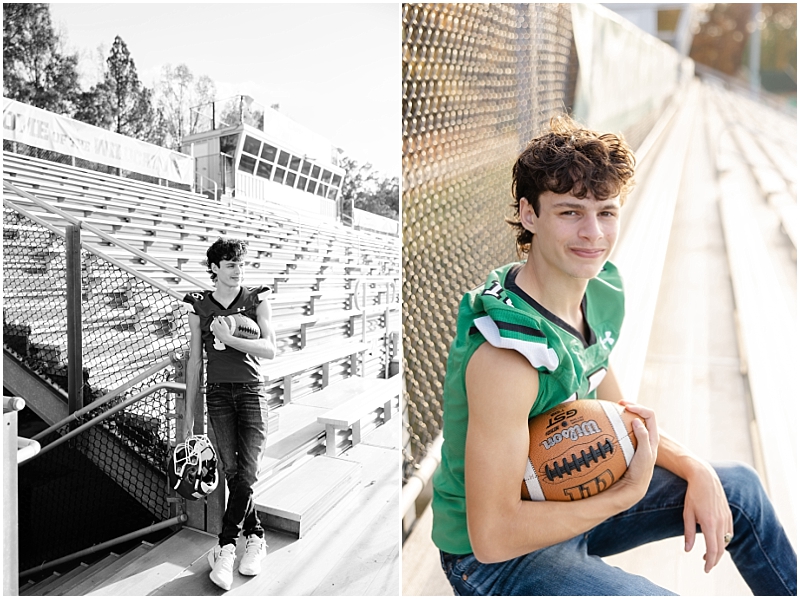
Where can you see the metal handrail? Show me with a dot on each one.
(26, 449)
(172, 386)
(109, 238)
(13, 403)
(100, 546)
(157, 367)
(216, 187)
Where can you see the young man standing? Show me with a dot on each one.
(539, 333)
(235, 398)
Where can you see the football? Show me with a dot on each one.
(577, 449)
(242, 327)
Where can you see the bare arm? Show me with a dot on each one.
(501, 387)
(264, 347)
(193, 369)
(706, 503)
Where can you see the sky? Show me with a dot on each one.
(334, 68)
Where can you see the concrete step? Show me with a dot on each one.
(62, 580)
(159, 565)
(36, 589)
(65, 587)
(300, 436)
(299, 500)
(99, 577)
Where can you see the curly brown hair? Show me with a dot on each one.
(224, 248)
(569, 159)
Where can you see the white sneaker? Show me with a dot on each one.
(221, 560)
(254, 552)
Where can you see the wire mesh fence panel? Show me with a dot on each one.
(107, 481)
(478, 82)
(34, 296)
(127, 326)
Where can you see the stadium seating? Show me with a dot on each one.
(758, 185)
(335, 305)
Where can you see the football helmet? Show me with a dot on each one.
(192, 469)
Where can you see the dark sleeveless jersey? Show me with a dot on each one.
(227, 365)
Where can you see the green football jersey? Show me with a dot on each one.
(570, 367)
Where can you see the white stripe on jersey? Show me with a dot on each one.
(538, 354)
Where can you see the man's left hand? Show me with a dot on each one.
(706, 505)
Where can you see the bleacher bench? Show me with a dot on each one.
(348, 416)
(286, 366)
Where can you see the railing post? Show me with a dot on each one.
(204, 514)
(176, 502)
(74, 328)
(10, 512)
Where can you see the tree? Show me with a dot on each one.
(35, 69)
(120, 102)
(384, 200)
(721, 41)
(369, 190)
(176, 93)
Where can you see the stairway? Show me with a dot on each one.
(345, 492)
(293, 499)
(136, 572)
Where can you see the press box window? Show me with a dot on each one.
(264, 169)
(247, 164)
(290, 179)
(279, 174)
(268, 152)
(251, 145)
(295, 163)
(283, 159)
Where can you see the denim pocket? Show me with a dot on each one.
(459, 572)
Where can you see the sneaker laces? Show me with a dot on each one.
(254, 540)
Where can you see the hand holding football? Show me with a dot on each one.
(234, 325)
(241, 326)
(578, 449)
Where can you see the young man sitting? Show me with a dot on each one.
(539, 333)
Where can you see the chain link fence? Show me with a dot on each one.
(127, 326)
(478, 81)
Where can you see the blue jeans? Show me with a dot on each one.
(238, 414)
(760, 548)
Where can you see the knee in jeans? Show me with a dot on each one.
(741, 482)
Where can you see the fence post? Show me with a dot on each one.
(74, 328)
(10, 510)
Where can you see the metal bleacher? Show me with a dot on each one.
(335, 305)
